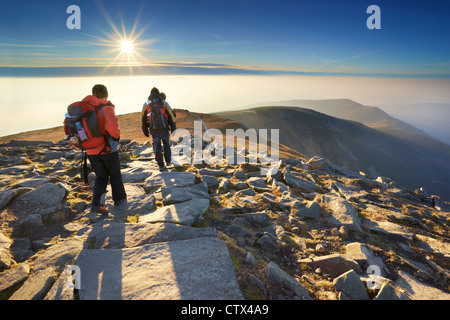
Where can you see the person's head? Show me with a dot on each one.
(163, 96)
(154, 90)
(100, 91)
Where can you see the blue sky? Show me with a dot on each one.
(325, 36)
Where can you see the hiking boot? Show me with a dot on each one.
(163, 169)
(100, 209)
(121, 203)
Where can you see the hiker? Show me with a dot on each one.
(157, 119)
(164, 97)
(104, 157)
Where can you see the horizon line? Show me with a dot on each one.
(182, 69)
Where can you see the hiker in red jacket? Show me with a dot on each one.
(104, 158)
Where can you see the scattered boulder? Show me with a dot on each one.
(350, 284)
(342, 212)
(276, 274)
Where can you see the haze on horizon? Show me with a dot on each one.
(44, 100)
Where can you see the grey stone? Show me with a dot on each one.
(173, 195)
(433, 245)
(303, 185)
(350, 284)
(246, 192)
(250, 259)
(44, 200)
(239, 204)
(13, 276)
(135, 174)
(53, 155)
(335, 264)
(5, 254)
(388, 292)
(240, 175)
(279, 185)
(144, 150)
(5, 197)
(21, 249)
(138, 201)
(31, 224)
(185, 213)
(320, 163)
(342, 212)
(258, 184)
(365, 257)
(418, 290)
(196, 269)
(60, 290)
(256, 219)
(170, 179)
(127, 235)
(60, 255)
(211, 181)
(390, 229)
(36, 286)
(351, 193)
(212, 172)
(266, 243)
(311, 209)
(275, 273)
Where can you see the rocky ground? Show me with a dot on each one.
(305, 229)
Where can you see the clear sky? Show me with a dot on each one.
(326, 36)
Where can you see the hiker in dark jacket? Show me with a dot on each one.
(105, 159)
(157, 119)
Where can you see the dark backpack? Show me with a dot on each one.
(81, 125)
(156, 114)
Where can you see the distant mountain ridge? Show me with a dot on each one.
(355, 146)
(370, 116)
(430, 117)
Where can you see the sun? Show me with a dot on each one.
(126, 46)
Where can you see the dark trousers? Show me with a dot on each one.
(107, 166)
(164, 137)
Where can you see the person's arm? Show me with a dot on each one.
(144, 120)
(111, 122)
(170, 117)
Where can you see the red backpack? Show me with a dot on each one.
(82, 127)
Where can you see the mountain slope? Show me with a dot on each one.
(430, 117)
(354, 145)
(372, 117)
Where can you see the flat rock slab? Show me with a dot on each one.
(196, 269)
(389, 229)
(170, 179)
(138, 201)
(418, 290)
(185, 213)
(118, 235)
(342, 212)
(43, 200)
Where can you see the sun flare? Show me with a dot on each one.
(127, 46)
